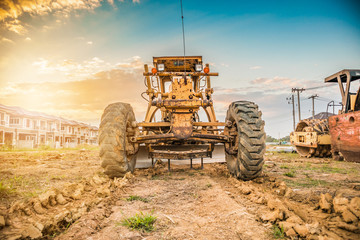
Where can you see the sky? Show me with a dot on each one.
(72, 58)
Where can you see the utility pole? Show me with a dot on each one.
(298, 90)
(293, 108)
(313, 107)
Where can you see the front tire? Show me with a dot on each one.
(245, 154)
(117, 153)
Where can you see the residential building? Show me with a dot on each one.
(20, 128)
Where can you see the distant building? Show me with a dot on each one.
(20, 128)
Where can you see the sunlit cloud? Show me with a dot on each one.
(15, 26)
(10, 11)
(89, 42)
(27, 39)
(132, 63)
(255, 67)
(72, 69)
(6, 40)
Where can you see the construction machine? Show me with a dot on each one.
(311, 138)
(345, 127)
(177, 89)
(338, 135)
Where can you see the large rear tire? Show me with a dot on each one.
(245, 154)
(117, 153)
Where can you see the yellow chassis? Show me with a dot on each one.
(178, 93)
(309, 139)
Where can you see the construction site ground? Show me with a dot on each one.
(63, 194)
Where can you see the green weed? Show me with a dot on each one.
(5, 190)
(290, 173)
(137, 198)
(284, 167)
(141, 222)
(308, 183)
(278, 232)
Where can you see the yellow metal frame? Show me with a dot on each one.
(309, 139)
(181, 102)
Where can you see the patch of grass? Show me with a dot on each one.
(286, 155)
(326, 168)
(137, 198)
(155, 177)
(23, 185)
(308, 183)
(5, 190)
(209, 185)
(278, 232)
(290, 173)
(284, 167)
(140, 222)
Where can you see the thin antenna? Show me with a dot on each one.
(183, 31)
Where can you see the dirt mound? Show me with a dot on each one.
(336, 218)
(55, 210)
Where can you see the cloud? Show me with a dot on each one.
(11, 11)
(27, 39)
(89, 42)
(256, 67)
(132, 63)
(15, 26)
(6, 40)
(74, 70)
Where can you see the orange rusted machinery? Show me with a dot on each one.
(338, 135)
(177, 89)
(345, 127)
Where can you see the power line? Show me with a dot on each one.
(323, 86)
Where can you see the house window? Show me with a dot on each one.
(2, 118)
(42, 125)
(28, 123)
(14, 121)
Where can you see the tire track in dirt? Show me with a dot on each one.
(188, 204)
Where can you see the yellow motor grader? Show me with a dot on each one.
(177, 89)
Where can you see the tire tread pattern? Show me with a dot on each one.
(112, 134)
(248, 162)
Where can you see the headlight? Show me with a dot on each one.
(160, 67)
(198, 67)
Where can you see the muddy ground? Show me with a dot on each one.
(64, 195)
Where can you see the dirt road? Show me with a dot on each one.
(322, 203)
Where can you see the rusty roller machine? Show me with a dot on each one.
(338, 135)
(177, 89)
